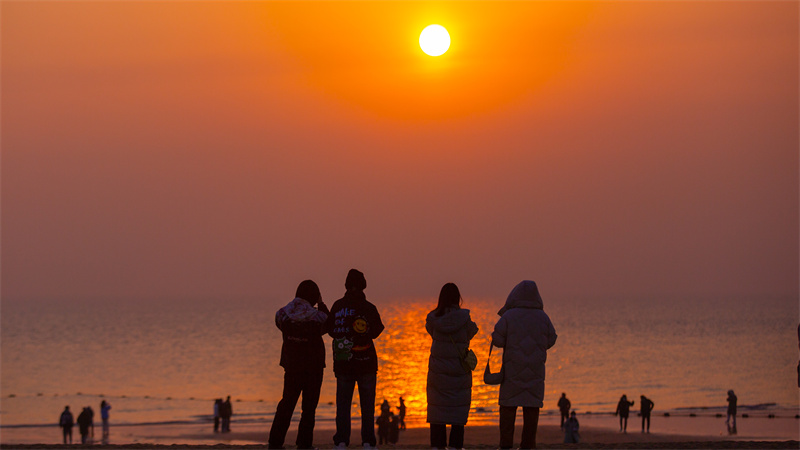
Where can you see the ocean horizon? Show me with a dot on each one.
(165, 362)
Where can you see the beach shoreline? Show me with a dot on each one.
(595, 433)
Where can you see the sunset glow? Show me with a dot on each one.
(172, 170)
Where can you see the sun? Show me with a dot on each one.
(434, 40)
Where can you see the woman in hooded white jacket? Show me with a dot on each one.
(524, 332)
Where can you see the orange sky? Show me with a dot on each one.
(218, 149)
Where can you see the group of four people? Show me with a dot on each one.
(524, 331)
(85, 422)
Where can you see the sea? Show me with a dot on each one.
(164, 362)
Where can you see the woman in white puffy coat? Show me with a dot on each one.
(525, 333)
(449, 384)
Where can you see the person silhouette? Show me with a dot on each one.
(302, 324)
(383, 425)
(105, 407)
(225, 413)
(402, 413)
(623, 409)
(353, 324)
(730, 421)
(217, 417)
(646, 406)
(66, 422)
(449, 385)
(84, 423)
(564, 405)
(571, 430)
(525, 332)
(394, 428)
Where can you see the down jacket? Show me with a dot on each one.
(525, 333)
(449, 383)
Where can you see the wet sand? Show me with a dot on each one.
(254, 435)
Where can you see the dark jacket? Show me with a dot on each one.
(226, 409)
(302, 327)
(66, 420)
(646, 404)
(732, 403)
(623, 407)
(84, 421)
(353, 323)
(564, 404)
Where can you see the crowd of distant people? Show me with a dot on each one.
(85, 422)
(524, 331)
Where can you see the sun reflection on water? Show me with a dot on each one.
(403, 351)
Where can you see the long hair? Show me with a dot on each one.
(449, 297)
(308, 291)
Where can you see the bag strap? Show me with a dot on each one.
(456, 347)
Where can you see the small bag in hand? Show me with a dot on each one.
(488, 376)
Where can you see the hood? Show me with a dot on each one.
(524, 295)
(299, 310)
(449, 322)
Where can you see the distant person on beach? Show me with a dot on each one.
(302, 324)
(84, 423)
(525, 332)
(564, 405)
(217, 408)
(730, 421)
(105, 407)
(571, 430)
(402, 413)
(66, 422)
(623, 409)
(385, 407)
(383, 426)
(646, 406)
(353, 324)
(449, 384)
(91, 420)
(394, 428)
(225, 413)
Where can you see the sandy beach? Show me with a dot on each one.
(596, 432)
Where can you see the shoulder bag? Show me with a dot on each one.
(488, 376)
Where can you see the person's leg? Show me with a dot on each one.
(456, 436)
(305, 430)
(69, 431)
(508, 414)
(64, 432)
(625, 427)
(563, 418)
(643, 419)
(344, 397)
(648, 422)
(438, 435)
(292, 383)
(366, 392)
(530, 423)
